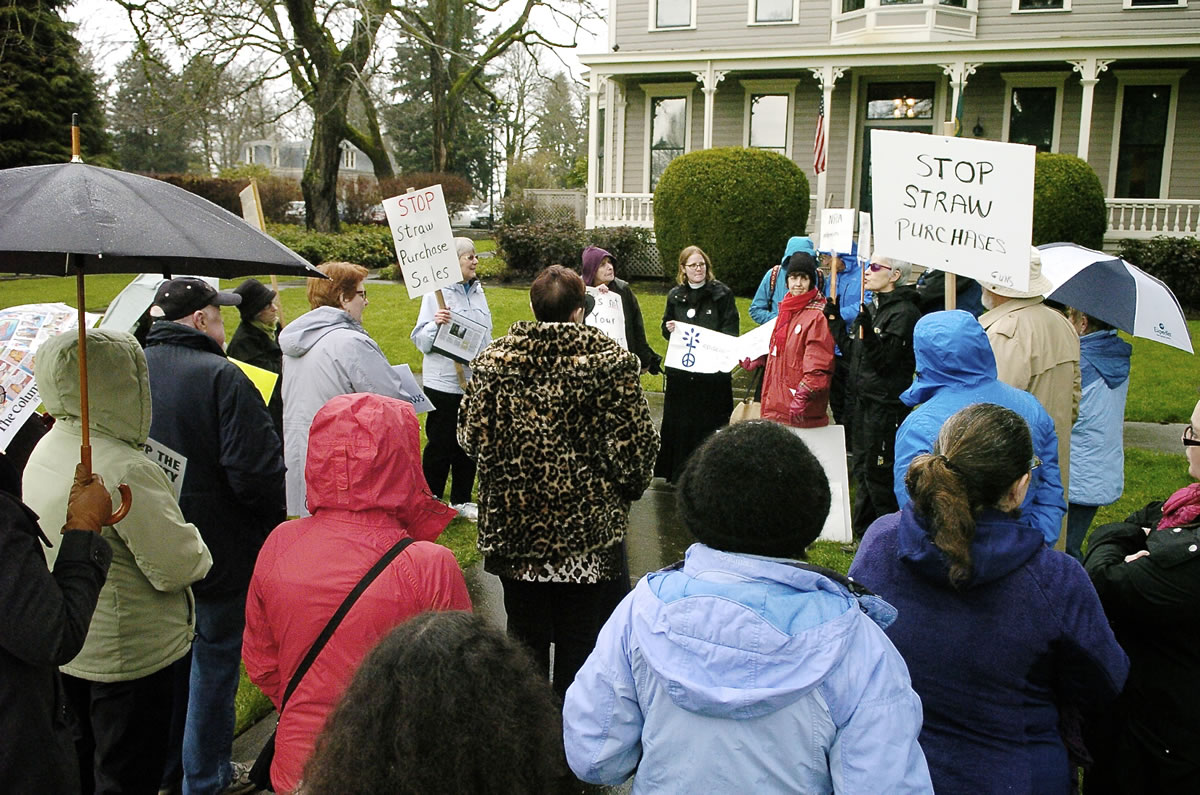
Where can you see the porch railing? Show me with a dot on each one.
(1144, 218)
(1134, 218)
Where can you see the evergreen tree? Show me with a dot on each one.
(42, 82)
(149, 119)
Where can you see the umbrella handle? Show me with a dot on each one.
(126, 504)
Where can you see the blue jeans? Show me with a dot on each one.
(1079, 519)
(216, 655)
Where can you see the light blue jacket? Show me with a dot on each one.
(1097, 438)
(438, 371)
(737, 673)
(955, 369)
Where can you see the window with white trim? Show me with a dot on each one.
(1143, 134)
(774, 12)
(1154, 4)
(1033, 108)
(668, 127)
(768, 115)
(1020, 6)
(349, 158)
(672, 14)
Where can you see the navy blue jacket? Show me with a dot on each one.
(995, 661)
(206, 409)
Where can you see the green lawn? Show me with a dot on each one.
(1163, 381)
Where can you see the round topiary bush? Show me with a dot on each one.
(1068, 202)
(739, 205)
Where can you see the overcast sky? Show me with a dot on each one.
(104, 29)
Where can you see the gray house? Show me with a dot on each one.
(1116, 82)
(288, 158)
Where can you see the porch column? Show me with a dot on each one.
(1089, 75)
(708, 80)
(825, 76)
(958, 73)
(593, 179)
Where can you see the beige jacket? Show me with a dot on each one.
(1037, 350)
(144, 619)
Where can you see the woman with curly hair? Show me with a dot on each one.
(1005, 639)
(444, 703)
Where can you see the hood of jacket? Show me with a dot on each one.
(307, 330)
(798, 243)
(952, 350)
(118, 384)
(364, 453)
(741, 636)
(565, 349)
(1102, 354)
(1002, 544)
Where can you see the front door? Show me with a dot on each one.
(906, 106)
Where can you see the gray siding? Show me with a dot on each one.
(721, 24)
(1185, 162)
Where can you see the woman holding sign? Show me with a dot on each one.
(695, 404)
(599, 272)
(444, 376)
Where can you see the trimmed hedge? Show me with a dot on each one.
(1068, 202)
(739, 205)
(369, 246)
(529, 246)
(1174, 260)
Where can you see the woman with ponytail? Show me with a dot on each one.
(1005, 639)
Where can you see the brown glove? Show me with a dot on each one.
(89, 504)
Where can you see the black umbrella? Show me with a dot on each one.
(71, 219)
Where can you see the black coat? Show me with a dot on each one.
(1153, 605)
(882, 361)
(44, 620)
(252, 345)
(635, 328)
(713, 307)
(206, 409)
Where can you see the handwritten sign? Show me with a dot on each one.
(170, 461)
(756, 342)
(424, 243)
(837, 231)
(608, 315)
(958, 204)
(411, 390)
(696, 349)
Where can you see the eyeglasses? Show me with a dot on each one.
(1034, 463)
(699, 265)
(363, 293)
(875, 267)
(1189, 437)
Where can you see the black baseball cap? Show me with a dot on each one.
(186, 294)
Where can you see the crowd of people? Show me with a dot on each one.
(293, 530)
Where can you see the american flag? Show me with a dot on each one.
(819, 139)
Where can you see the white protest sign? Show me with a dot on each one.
(424, 243)
(608, 315)
(828, 445)
(837, 231)
(170, 461)
(756, 342)
(696, 349)
(413, 394)
(957, 204)
(864, 237)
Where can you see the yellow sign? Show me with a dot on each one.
(264, 380)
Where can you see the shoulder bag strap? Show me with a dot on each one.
(347, 603)
(771, 289)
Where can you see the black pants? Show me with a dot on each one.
(841, 397)
(567, 614)
(873, 446)
(443, 456)
(122, 731)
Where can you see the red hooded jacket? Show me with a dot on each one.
(366, 491)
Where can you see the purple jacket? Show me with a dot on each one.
(994, 661)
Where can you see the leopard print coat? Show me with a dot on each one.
(555, 417)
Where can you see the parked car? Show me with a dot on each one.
(465, 217)
(294, 214)
(483, 221)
